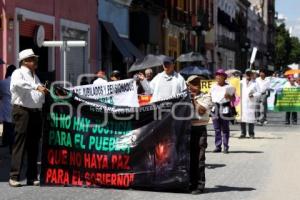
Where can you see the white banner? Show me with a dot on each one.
(275, 84)
(254, 51)
(119, 93)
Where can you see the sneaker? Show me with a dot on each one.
(14, 183)
(226, 151)
(198, 191)
(33, 182)
(242, 137)
(287, 123)
(217, 151)
(259, 124)
(294, 123)
(252, 137)
(265, 122)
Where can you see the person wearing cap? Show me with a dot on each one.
(198, 142)
(222, 94)
(291, 83)
(262, 104)
(164, 85)
(101, 78)
(115, 75)
(28, 96)
(250, 95)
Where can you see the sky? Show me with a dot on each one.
(290, 9)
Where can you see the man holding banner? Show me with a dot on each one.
(28, 97)
(165, 84)
(202, 103)
(291, 84)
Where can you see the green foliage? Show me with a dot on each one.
(287, 48)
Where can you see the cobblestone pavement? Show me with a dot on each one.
(263, 168)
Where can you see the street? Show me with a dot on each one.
(264, 168)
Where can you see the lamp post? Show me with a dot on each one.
(64, 46)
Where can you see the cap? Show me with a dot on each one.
(221, 72)
(192, 78)
(248, 71)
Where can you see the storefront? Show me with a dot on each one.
(27, 25)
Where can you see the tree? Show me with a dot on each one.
(283, 46)
(295, 50)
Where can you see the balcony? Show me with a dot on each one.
(180, 17)
(227, 43)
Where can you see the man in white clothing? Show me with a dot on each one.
(101, 78)
(250, 94)
(262, 107)
(165, 84)
(28, 96)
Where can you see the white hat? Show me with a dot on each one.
(27, 53)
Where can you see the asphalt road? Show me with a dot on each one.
(264, 168)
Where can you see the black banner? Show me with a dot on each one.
(91, 144)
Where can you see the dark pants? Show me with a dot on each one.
(250, 129)
(28, 128)
(221, 126)
(262, 108)
(197, 156)
(8, 134)
(288, 117)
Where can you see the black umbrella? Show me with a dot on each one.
(150, 61)
(195, 70)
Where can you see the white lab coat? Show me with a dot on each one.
(249, 104)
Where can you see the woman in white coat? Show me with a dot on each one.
(250, 94)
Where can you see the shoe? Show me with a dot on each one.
(217, 151)
(242, 137)
(252, 137)
(226, 151)
(33, 182)
(265, 122)
(294, 123)
(259, 123)
(287, 123)
(198, 191)
(14, 183)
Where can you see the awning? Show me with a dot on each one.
(133, 49)
(125, 46)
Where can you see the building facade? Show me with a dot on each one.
(226, 40)
(27, 23)
(266, 10)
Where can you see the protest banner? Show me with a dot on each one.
(288, 100)
(87, 143)
(119, 93)
(276, 84)
(206, 85)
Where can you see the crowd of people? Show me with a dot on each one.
(23, 95)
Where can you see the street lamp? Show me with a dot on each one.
(64, 45)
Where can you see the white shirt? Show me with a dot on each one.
(5, 98)
(99, 81)
(289, 85)
(23, 89)
(165, 86)
(263, 85)
(218, 93)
